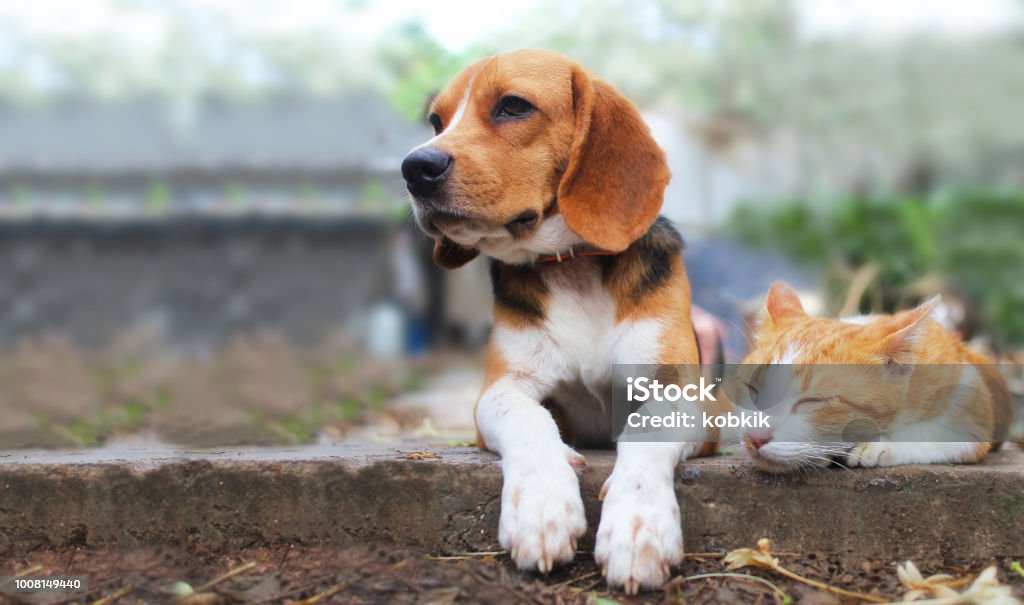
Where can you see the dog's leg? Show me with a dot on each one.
(541, 509)
(640, 535)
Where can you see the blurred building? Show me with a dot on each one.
(139, 157)
(120, 218)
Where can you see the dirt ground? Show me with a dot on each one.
(382, 573)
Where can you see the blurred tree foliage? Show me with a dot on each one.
(707, 53)
(856, 109)
(416, 67)
(864, 106)
(970, 241)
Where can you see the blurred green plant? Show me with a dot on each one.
(21, 197)
(234, 194)
(416, 67)
(255, 392)
(93, 196)
(374, 194)
(309, 193)
(968, 241)
(158, 198)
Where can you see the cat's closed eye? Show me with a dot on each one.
(809, 400)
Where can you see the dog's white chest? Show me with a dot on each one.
(570, 355)
(580, 317)
(573, 341)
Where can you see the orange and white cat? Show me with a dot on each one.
(867, 391)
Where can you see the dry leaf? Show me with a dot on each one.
(762, 557)
(421, 456)
(986, 590)
(918, 586)
(748, 557)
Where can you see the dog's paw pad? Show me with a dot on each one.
(640, 536)
(541, 517)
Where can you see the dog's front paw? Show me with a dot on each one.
(640, 536)
(870, 454)
(541, 514)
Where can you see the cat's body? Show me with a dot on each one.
(867, 391)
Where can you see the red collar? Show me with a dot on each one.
(571, 254)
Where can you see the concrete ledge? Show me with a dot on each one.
(450, 503)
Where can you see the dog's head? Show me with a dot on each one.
(531, 156)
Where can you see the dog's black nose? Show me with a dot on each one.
(425, 169)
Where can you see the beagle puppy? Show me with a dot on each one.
(553, 175)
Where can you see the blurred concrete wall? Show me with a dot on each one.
(190, 283)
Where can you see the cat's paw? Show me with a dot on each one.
(640, 536)
(874, 454)
(541, 513)
(871, 454)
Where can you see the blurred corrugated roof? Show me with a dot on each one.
(357, 133)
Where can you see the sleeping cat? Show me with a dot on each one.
(867, 391)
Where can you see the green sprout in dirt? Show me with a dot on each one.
(1017, 568)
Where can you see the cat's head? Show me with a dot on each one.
(826, 384)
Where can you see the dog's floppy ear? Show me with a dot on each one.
(449, 255)
(612, 187)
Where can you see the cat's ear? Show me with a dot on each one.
(782, 304)
(902, 332)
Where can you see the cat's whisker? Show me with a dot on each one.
(806, 468)
(827, 459)
(836, 450)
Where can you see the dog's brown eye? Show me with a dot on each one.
(435, 121)
(527, 218)
(512, 107)
(522, 223)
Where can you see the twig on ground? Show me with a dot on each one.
(762, 557)
(114, 596)
(330, 592)
(574, 580)
(225, 576)
(28, 570)
(280, 597)
(719, 555)
(466, 555)
(741, 576)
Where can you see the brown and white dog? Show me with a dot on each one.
(554, 175)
